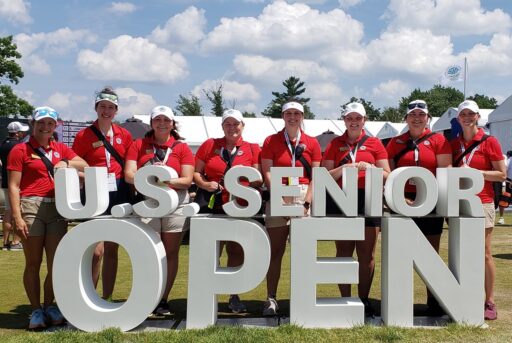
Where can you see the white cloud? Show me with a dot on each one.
(264, 68)
(414, 51)
(448, 17)
(326, 99)
(64, 101)
(492, 59)
(286, 30)
(122, 8)
(349, 3)
(390, 90)
(15, 11)
(127, 58)
(182, 31)
(132, 102)
(231, 90)
(35, 47)
(308, 2)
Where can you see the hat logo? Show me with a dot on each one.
(162, 109)
(56, 154)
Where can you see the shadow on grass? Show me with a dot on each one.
(16, 318)
(503, 256)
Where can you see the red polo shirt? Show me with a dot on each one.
(485, 153)
(428, 151)
(91, 149)
(209, 153)
(142, 150)
(276, 149)
(371, 151)
(35, 180)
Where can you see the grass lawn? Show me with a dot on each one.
(14, 308)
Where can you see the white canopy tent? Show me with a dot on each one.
(500, 124)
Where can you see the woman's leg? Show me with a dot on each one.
(278, 237)
(490, 267)
(33, 248)
(172, 243)
(345, 249)
(96, 263)
(109, 271)
(50, 246)
(366, 257)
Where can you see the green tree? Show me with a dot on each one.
(188, 106)
(214, 95)
(372, 112)
(484, 101)
(438, 99)
(294, 89)
(391, 114)
(247, 114)
(11, 72)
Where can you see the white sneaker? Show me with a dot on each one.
(270, 307)
(501, 221)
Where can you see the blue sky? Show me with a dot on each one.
(153, 51)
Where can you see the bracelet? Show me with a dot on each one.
(65, 160)
(307, 205)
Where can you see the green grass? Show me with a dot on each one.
(14, 308)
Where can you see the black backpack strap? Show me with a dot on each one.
(411, 145)
(107, 145)
(306, 165)
(358, 145)
(46, 161)
(469, 149)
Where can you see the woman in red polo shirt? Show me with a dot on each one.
(421, 147)
(36, 220)
(90, 144)
(486, 156)
(354, 149)
(213, 158)
(286, 149)
(162, 146)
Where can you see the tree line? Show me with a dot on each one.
(438, 98)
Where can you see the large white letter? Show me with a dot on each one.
(146, 183)
(426, 191)
(253, 197)
(374, 180)
(206, 279)
(72, 278)
(278, 191)
(67, 192)
(461, 294)
(345, 198)
(307, 271)
(454, 201)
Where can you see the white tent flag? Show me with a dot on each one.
(453, 73)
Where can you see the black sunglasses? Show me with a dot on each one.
(421, 105)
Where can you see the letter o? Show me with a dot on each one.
(72, 274)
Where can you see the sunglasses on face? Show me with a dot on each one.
(105, 96)
(421, 105)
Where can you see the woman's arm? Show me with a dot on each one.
(499, 172)
(130, 168)
(14, 198)
(185, 180)
(201, 181)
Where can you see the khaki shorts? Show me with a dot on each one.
(176, 222)
(42, 218)
(7, 204)
(489, 214)
(271, 222)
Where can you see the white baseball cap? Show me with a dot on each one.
(16, 126)
(292, 104)
(231, 113)
(162, 111)
(354, 107)
(417, 104)
(45, 112)
(468, 104)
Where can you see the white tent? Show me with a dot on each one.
(444, 122)
(500, 124)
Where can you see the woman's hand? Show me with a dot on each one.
(213, 186)
(61, 164)
(363, 165)
(21, 227)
